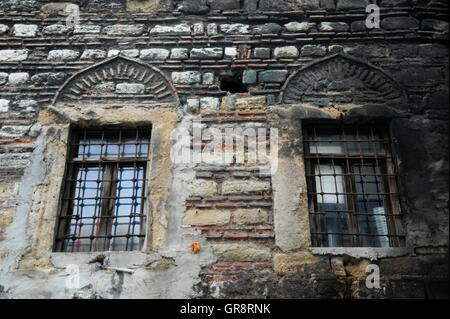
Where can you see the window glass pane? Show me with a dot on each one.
(372, 221)
(94, 145)
(331, 202)
(86, 206)
(328, 142)
(127, 220)
(346, 141)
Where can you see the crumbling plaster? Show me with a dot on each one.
(165, 268)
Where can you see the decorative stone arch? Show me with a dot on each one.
(341, 79)
(118, 79)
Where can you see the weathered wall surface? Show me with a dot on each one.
(300, 60)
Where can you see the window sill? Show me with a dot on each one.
(120, 259)
(362, 252)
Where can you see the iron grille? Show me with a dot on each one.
(102, 205)
(352, 189)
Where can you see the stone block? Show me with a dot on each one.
(17, 79)
(313, 50)
(202, 188)
(266, 28)
(241, 252)
(333, 26)
(235, 28)
(206, 217)
(179, 53)
(25, 30)
(86, 29)
(300, 26)
(209, 103)
(244, 187)
(272, 76)
(154, 54)
(4, 105)
(206, 53)
(249, 77)
(250, 216)
(399, 23)
(3, 28)
(63, 55)
(130, 88)
(208, 78)
(124, 29)
(182, 28)
(286, 52)
(231, 52)
(93, 54)
(251, 103)
(3, 78)
(291, 264)
(186, 77)
(13, 55)
(261, 53)
(48, 78)
(224, 4)
(55, 29)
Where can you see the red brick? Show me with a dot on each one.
(243, 265)
(235, 236)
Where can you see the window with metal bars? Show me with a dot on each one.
(102, 204)
(352, 190)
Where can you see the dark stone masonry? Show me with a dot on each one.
(240, 64)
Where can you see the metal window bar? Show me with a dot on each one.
(352, 192)
(102, 205)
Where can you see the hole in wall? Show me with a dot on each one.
(232, 83)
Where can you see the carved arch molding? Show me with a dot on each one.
(340, 79)
(118, 80)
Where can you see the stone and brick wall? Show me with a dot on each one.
(299, 60)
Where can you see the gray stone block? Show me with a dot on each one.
(224, 4)
(313, 50)
(398, 23)
(333, 26)
(286, 52)
(86, 29)
(48, 78)
(276, 76)
(124, 29)
(187, 77)
(261, 53)
(179, 53)
(249, 77)
(300, 26)
(25, 30)
(93, 54)
(266, 28)
(55, 29)
(235, 28)
(206, 53)
(130, 88)
(63, 55)
(154, 54)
